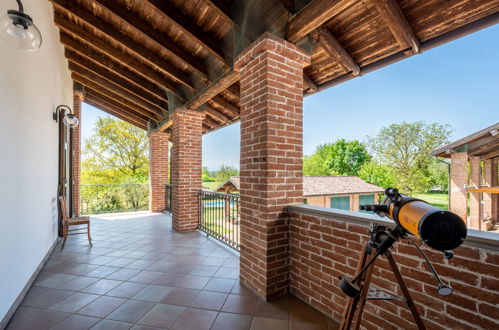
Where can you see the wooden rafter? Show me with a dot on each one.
(335, 50)
(94, 42)
(391, 13)
(222, 9)
(117, 112)
(106, 91)
(174, 74)
(311, 17)
(119, 75)
(140, 103)
(187, 26)
(218, 116)
(86, 67)
(214, 89)
(309, 84)
(103, 99)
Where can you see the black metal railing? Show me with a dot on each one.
(219, 216)
(168, 198)
(107, 198)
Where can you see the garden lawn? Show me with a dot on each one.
(211, 185)
(437, 200)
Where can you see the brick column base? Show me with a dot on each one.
(271, 159)
(158, 170)
(76, 166)
(186, 168)
(458, 182)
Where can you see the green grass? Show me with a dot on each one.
(438, 200)
(213, 220)
(211, 185)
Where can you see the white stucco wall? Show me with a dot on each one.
(31, 86)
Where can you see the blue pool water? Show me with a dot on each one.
(218, 203)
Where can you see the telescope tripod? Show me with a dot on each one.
(358, 288)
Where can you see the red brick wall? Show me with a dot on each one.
(186, 168)
(458, 181)
(77, 99)
(270, 160)
(158, 170)
(323, 249)
(476, 181)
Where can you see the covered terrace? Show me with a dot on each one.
(181, 69)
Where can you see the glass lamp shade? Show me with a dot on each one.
(18, 30)
(70, 120)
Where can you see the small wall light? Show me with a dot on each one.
(18, 30)
(69, 120)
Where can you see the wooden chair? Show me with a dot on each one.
(67, 222)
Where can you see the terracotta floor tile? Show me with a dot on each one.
(41, 321)
(203, 270)
(81, 269)
(219, 284)
(140, 264)
(78, 283)
(304, 313)
(111, 325)
(126, 290)
(228, 321)
(193, 282)
(123, 274)
(195, 319)
(153, 293)
(76, 322)
(41, 297)
(162, 316)
(240, 304)
(209, 300)
(145, 276)
(55, 280)
(23, 313)
(131, 311)
(261, 323)
(213, 261)
(240, 288)
(102, 271)
(169, 279)
(179, 296)
(120, 262)
(75, 302)
(101, 286)
(102, 306)
(278, 309)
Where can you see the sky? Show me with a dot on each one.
(456, 84)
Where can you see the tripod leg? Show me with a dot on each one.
(405, 291)
(352, 302)
(363, 295)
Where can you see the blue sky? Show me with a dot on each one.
(455, 84)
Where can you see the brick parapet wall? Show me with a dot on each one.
(323, 248)
(158, 170)
(186, 168)
(76, 157)
(271, 159)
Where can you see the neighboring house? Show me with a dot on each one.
(339, 192)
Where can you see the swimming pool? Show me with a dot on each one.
(218, 203)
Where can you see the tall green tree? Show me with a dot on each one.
(405, 148)
(225, 172)
(206, 175)
(378, 174)
(341, 157)
(116, 152)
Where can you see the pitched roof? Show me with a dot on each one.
(326, 185)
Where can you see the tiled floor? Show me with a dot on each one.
(140, 274)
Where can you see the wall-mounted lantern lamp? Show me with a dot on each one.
(18, 30)
(69, 120)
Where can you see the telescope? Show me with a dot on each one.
(439, 229)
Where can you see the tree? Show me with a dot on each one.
(341, 157)
(405, 149)
(225, 172)
(378, 174)
(206, 175)
(116, 152)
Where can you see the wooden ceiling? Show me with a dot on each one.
(141, 59)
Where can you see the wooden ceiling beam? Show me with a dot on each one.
(334, 49)
(119, 108)
(210, 122)
(153, 110)
(78, 64)
(139, 50)
(214, 89)
(103, 89)
(189, 27)
(222, 9)
(231, 108)
(390, 12)
(218, 116)
(492, 154)
(311, 17)
(127, 61)
(75, 49)
(154, 35)
(135, 84)
(165, 125)
(114, 112)
(309, 84)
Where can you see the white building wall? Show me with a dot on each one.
(31, 86)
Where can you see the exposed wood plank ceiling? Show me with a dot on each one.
(140, 60)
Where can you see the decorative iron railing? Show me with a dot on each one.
(168, 198)
(219, 216)
(108, 198)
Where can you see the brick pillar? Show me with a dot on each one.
(475, 180)
(458, 182)
(158, 170)
(271, 159)
(186, 168)
(76, 166)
